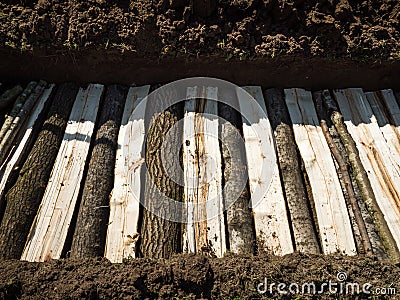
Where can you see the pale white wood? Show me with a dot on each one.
(48, 233)
(268, 203)
(333, 218)
(388, 130)
(27, 129)
(205, 230)
(211, 175)
(122, 231)
(380, 165)
(190, 167)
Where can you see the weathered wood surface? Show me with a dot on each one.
(236, 191)
(23, 199)
(305, 237)
(122, 231)
(190, 167)
(203, 174)
(49, 230)
(333, 218)
(268, 202)
(9, 96)
(380, 165)
(12, 130)
(89, 237)
(23, 143)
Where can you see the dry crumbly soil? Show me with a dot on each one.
(232, 29)
(187, 277)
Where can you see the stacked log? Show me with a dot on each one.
(11, 129)
(24, 198)
(305, 237)
(91, 227)
(161, 236)
(240, 224)
(16, 108)
(362, 179)
(339, 154)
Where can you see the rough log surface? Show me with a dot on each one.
(91, 227)
(305, 237)
(24, 197)
(240, 224)
(161, 237)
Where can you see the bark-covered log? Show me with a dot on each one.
(306, 240)
(16, 124)
(240, 223)
(161, 237)
(91, 227)
(16, 108)
(344, 177)
(24, 197)
(363, 182)
(9, 96)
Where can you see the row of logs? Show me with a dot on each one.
(161, 237)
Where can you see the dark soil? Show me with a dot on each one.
(239, 29)
(186, 277)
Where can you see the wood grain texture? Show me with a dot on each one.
(205, 230)
(122, 231)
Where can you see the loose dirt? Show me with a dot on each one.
(187, 277)
(240, 29)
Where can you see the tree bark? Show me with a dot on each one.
(23, 114)
(239, 216)
(304, 232)
(24, 197)
(363, 182)
(91, 228)
(16, 108)
(161, 237)
(9, 96)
